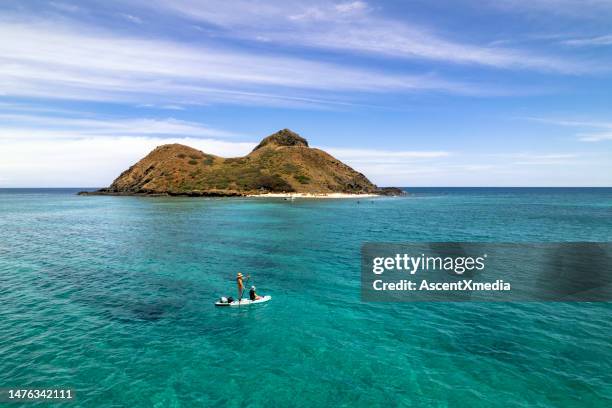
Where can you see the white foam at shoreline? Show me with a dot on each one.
(312, 195)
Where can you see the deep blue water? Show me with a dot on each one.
(112, 296)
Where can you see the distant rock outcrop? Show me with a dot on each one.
(282, 162)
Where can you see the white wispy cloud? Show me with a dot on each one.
(24, 126)
(77, 63)
(592, 130)
(546, 159)
(572, 122)
(387, 167)
(383, 156)
(590, 41)
(354, 26)
(546, 156)
(131, 18)
(595, 137)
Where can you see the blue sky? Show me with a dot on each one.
(411, 93)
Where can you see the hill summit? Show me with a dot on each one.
(285, 137)
(281, 163)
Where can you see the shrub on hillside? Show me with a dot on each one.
(302, 179)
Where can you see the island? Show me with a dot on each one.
(282, 164)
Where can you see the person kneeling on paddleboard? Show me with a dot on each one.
(253, 295)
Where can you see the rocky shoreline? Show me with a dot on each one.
(384, 191)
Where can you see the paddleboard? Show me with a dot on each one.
(244, 302)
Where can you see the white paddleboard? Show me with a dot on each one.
(244, 302)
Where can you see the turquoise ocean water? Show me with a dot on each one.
(112, 296)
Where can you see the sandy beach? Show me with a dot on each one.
(312, 195)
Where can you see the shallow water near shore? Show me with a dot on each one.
(113, 297)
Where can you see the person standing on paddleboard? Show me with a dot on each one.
(240, 284)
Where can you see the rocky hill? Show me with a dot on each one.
(282, 162)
